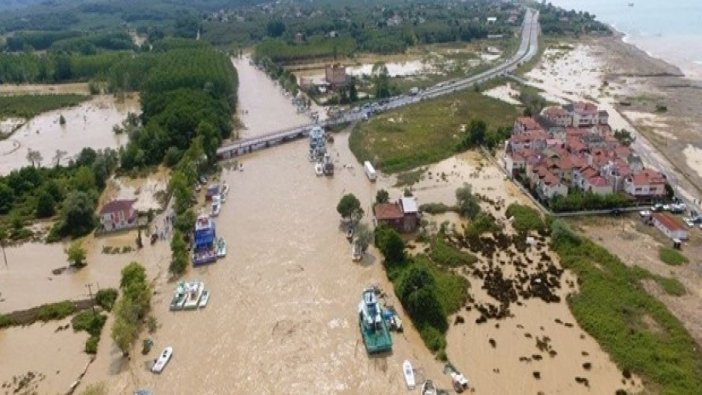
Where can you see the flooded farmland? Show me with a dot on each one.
(87, 125)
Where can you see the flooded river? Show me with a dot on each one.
(87, 125)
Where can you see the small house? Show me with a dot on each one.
(118, 214)
(410, 214)
(389, 214)
(335, 75)
(670, 226)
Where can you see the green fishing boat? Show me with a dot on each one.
(374, 330)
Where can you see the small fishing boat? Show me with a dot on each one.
(162, 361)
(356, 253)
(428, 388)
(216, 205)
(460, 383)
(349, 233)
(193, 293)
(204, 299)
(179, 297)
(221, 248)
(318, 169)
(409, 375)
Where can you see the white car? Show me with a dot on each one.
(160, 363)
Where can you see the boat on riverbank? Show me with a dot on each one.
(204, 238)
(318, 169)
(428, 388)
(375, 333)
(204, 299)
(221, 248)
(356, 252)
(216, 205)
(408, 373)
(179, 297)
(161, 362)
(193, 293)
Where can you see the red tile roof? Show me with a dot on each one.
(647, 177)
(387, 211)
(668, 221)
(584, 108)
(529, 123)
(597, 181)
(555, 112)
(117, 206)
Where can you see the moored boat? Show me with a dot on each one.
(179, 297)
(356, 252)
(408, 372)
(374, 330)
(193, 292)
(161, 362)
(428, 388)
(204, 299)
(204, 241)
(221, 248)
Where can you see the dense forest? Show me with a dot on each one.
(555, 20)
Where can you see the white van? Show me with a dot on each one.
(370, 171)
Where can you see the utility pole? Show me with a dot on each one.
(90, 292)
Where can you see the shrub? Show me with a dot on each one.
(525, 219)
(447, 255)
(468, 206)
(91, 345)
(671, 256)
(436, 208)
(434, 339)
(89, 322)
(56, 311)
(5, 321)
(105, 298)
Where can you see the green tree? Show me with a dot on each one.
(124, 331)
(468, 206)
(3, 239)
(34, 157)
(76, 254)
(275, 28)
(45, 205)
(7, 198)
(62, 120)
(381, 80)
(77, 215)
(349, 206)
(179, 254)
(475, 133)
(353, 90)
(382, 196)
(133, 273)
(84, 180)
(391, 246)
(363, 236)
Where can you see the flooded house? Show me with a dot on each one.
(118, 214)
(402, 215)
(335, 75)
(670, 226)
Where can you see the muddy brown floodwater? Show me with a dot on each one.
(88, 124)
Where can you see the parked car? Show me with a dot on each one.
(657, 207)
(645, 213)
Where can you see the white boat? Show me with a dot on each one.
(160, 363)
(204, 299)
(460, 383)
(428, 388)
(193, 292)
(225, 189)
(318, 169)
(356, 253)
(221, 248)
(216, 205)
(409, 374)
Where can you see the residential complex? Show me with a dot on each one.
(573, 148)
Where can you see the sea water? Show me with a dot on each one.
(669, 30)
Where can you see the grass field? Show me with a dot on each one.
(636, 329)
(671, 257)
(27, 106)
(425, 132)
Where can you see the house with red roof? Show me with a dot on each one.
(645, 183)
(402, 215)
(118, 215)
(525, 124)
(598, 185)
(558, 115)
(670, 226)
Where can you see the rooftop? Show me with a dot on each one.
(387, 211)
(409, 205)
(668, 221)
(117, 206)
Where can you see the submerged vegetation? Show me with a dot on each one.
(27, 106)
(131, 307)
